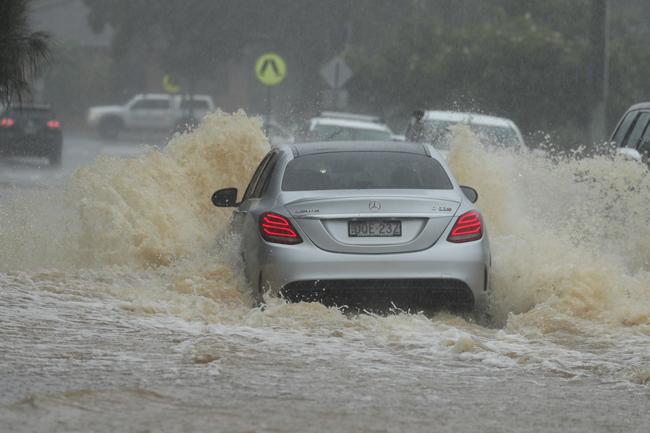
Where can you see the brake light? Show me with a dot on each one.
(53, 124)
(7, 122)
(278, 229)
(468, 227)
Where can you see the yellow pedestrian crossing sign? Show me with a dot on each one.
(169, 85)
(270, 69)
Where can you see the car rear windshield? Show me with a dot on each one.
(342, 133)
(438, 133)
(364, 170)
(28, 111)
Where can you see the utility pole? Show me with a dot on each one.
(599, 69)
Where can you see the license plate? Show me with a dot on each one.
(374, 228)
(30, 128)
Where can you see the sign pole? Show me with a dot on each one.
(336, 86)
(270, 70)
(268, 114)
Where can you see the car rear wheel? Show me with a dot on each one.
(184, 125)
(55, 157)
(110, 127)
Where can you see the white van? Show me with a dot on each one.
(433, 127)
(335, 126)
(148, 111)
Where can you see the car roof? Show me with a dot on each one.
(350, 116)
(477, 119)
(312, 148)
(168, 96)
(640, 106)
(26, 106)
(349, 123)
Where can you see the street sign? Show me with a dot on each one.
(270, 69)
(169, 85)
(336, 72)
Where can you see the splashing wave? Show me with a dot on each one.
(570, 237)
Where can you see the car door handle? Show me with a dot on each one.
(241, 212)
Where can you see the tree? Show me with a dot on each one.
(74, 76)
(310, 32)
(523, 59)
(186, 38)
(518, 58)
(191, 39)
(22, 51)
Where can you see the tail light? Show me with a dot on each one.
(7, 122)
(468, 227)
(53, 124)
(278, 229)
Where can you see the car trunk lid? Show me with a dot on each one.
(30, 119)
(396, 223)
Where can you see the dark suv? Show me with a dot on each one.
(632, 134)
(30, 130)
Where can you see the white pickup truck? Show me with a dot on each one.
(149, 111)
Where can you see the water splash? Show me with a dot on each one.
(139, 212)
(570, 236)
(156, 208)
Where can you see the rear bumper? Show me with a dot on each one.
(403, 294)
(458, 271)
(42, 144)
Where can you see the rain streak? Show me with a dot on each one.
(136, 281)
(400, 153)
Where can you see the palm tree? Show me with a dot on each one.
(21, 50)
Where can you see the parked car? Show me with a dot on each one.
(632, 134)
(149, 112)
(434, 127)
(361, 223)
(335, 126)
(31, 130)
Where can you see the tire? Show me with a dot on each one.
(110, 127)
(55, 157)
(184, 125)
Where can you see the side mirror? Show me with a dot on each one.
(418, 115)
(630, 153)
(226, 197)
(470, 193)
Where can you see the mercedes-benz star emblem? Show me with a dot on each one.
(374, 206)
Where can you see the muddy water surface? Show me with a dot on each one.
(122, 307)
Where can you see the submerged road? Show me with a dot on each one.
(120, 312)
(79, 149)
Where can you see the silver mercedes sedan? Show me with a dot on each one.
(363, 225)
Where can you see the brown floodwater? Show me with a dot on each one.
(123, 308)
